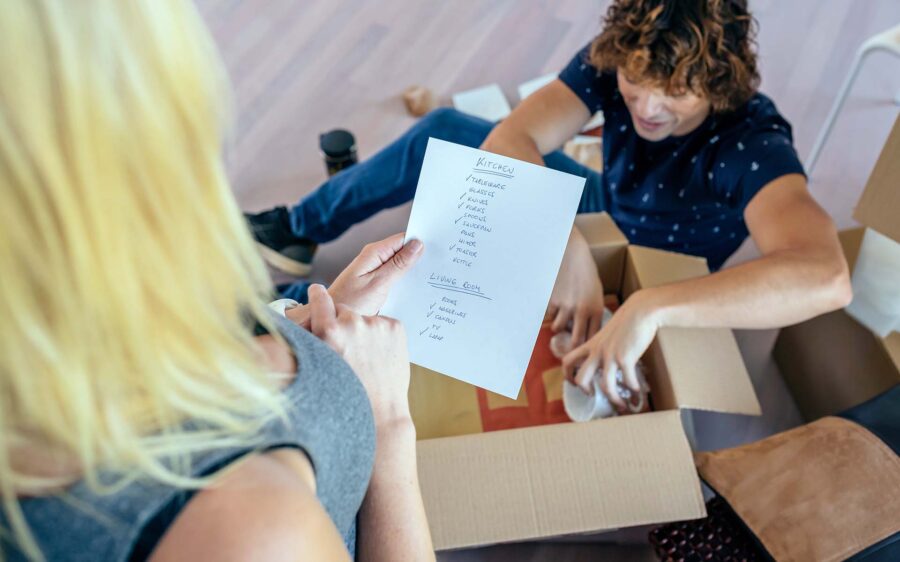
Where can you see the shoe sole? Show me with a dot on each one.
(283, 263)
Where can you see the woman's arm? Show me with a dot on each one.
(392, 523)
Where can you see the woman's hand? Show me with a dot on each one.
(577, 297)
(365, 283)
(619, 345)
(373, 346)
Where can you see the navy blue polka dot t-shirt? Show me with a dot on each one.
(688, 193)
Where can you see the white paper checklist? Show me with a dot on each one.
(494, 230)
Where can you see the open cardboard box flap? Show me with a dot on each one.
(607, 244)
(832, 362)
(719, 382)
(546, 480)
(892, 346)
(878, 209)
(880, 201)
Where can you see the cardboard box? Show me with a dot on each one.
(833, 362)
(553, 480)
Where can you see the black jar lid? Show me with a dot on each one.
(337, 143)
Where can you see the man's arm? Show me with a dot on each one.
(802, 273)
(541, 124)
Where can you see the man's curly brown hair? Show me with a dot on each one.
(703, 46)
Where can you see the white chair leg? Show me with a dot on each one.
(835, 109)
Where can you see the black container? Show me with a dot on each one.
(339, 150)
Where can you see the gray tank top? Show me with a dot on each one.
(330, 419)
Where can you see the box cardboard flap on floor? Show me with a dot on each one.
(558, 479)
(833, 362)
(876, 277)
(720, 381)
(879, 206)
(554, 480)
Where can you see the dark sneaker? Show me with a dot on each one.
(278, 245)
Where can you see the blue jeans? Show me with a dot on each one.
(389, 178)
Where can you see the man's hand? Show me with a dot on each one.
(577, 297)
(619, 345)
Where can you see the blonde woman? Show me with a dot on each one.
(139, 416)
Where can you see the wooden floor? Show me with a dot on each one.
(302, 67)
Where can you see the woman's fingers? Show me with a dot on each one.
(391, 252)
(322, 315)
(401, 261)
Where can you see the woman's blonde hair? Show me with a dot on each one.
(127, 275)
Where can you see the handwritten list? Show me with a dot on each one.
(494, 230)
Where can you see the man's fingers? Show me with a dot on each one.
(586, 373)
(594, 325)
(561, 322)
(630, 376)
(608, 384)
(572, 360)
(552, 310)
(579, 327)
(322, 316)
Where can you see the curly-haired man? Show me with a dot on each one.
(694, 160)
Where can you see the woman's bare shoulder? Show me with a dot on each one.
(264, 509)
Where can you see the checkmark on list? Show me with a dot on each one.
(452, 246)
(422, 333)
(457, 220)
(429, 314)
